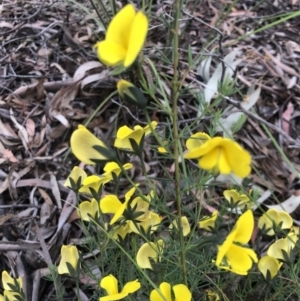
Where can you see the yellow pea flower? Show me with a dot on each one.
(218, 154)
(124, 39)
(149, 250)
(181, 293)
(186, 229)
(68, 254)
(111, 204)
(121, 231)
(208, 222)
(231, 195)
(7, 280)
(150, 220)
(110, 284)
(271, 264)
(76, 174)
(212, 296)
(125, 134)
(88, 209)
(113, 167)
(88, 148)
(284, 244)
(233, 257)
(280, 218)
(131, 94)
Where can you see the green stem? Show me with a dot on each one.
(175, 95)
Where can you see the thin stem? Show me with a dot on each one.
(175, 95)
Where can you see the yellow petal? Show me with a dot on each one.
(94, 182)
(153, 220)
(231, 195)
(123, 85)
(149, 250)
(87, 209)
(271, 264)
(82, 142)
(210, 160)
(137, 38)
(7, 279)
(165, 289)
(240, 259)
(122, 231)
(75, 174)
(110, 204)
(275, 250)
(147, 128)
(196, 140)
(223, 249)
(131, 287)
(238, 158)
(110, 284)
(244, 227)
(223, 163)
(119, 29)
(186, 229)
(68, 254)
(208, 222)
(110, 54)
(205, 148)
(182, 293)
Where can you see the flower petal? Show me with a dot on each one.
(196, 140)
(275, 250)
(223, 249)
(82, 142)
(88, 209)
(165, 289)
(210, 160)
(110, 53)
(137, 38)
(7, 279)
(131, 287)
(240, 259)
(244, 226)
(75, 174)
(271, 264)
(182, 293)
(68, 254)
(149, 250)
(110, 284)
(208, 222)
(119, 29)
(110, 204)
(186, 229)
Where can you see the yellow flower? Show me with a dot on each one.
(125, 134)
(211, 296)
(271, 264)
(124, 39)
(218, 154)
(186, 229)
(149, 250)
(208, 222)
(281, 219)
(233, 257)
(113, 167)
(7, 280)
(111, 204)
(131, 94)
(88, 209)
(181, 293)
(110, 284)
(94, 183)
(121, 231)
(241, 199)
(281, 246)
(68, 254)
(150, 220)
(76, 174)
(88, 148)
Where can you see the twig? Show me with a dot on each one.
(27, 18)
